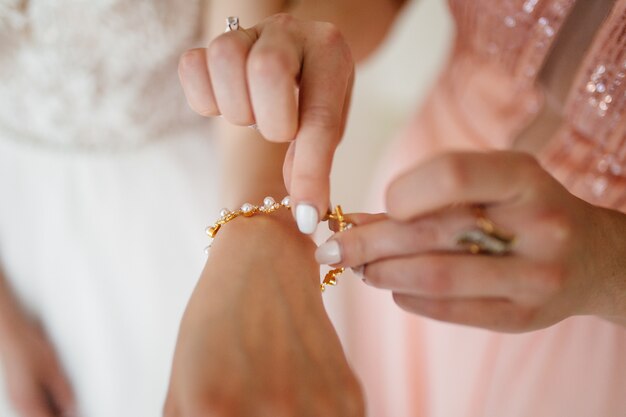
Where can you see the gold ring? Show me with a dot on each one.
(486, 237)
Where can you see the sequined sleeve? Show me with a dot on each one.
(588, 153)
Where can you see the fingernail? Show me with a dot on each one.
(307, 218)
(329, 253)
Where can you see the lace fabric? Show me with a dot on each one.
(97, 74)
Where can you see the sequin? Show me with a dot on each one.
(589, 151)
(529, 6)
(509, 22)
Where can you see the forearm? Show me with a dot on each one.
(251, 166)
(364, 24)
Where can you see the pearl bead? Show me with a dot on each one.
(286, 201)
(224, 212)
(269, 202)
(247, 208)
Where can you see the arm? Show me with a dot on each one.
(250, 76)
(255, 338)
(352, 17)
(36, 382)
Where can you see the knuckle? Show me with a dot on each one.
(190, 60)
(555, 225)
(225, 49)
(323, 118)
(270, 63)
(332, 37)
(424, 231)
(330, 34)
(453, 173)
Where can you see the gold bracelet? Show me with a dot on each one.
(269, 206)
(343, 224)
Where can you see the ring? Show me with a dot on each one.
(232, 23)
(486, 238)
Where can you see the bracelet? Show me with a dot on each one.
(269, 206)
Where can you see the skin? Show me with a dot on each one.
(253, 168)
(567, 260)
(242, 300)
(569, 268)
(36, 383)
(283, 357)
(560, 265)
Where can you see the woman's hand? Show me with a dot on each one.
(35, 381)
(567, 258)
(293, 80)
(255, 339)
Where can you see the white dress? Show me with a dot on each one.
(107, 181)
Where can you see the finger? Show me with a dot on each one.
(327, 68)
(288, 165)
(489, 313)
(461, 178)
(453, 276)
(390, 238)
(358, 219)
(227, 56)
(194, 77)
(361, 219)
(33, 404)
(273, 67)
(61, 393)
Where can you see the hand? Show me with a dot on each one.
(36, 383)
(564, 260)
(291, 78)
(255, 339)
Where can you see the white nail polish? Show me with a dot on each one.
(307, 218)
(329, 253)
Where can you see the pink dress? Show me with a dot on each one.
(488, 93)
